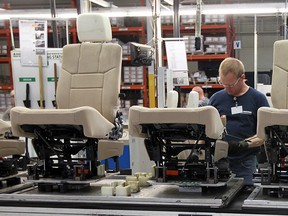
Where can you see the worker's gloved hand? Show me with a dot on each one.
(237, 147)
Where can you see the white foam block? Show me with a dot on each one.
(118, 183)
(131, 178)
(107, 190)
(123, 191)
(101, 170)
(135, 187)
(143, 181)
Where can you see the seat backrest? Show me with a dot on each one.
(279, 89)
(91, 70)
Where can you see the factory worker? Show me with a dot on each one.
(238, 104)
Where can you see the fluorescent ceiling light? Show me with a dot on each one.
(263, 8)
(103, 3)
(37, 14)
(233, 9)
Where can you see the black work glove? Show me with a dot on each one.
(237, 147)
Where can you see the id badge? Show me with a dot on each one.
(236, 110)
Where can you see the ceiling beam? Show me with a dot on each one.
(170, 2)
(103, 3)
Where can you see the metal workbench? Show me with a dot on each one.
(157, 198)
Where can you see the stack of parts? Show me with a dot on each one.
(132, 184)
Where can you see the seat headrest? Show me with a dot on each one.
(93, 27)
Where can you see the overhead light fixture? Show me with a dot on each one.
(103, 3)
(232, 9)
(37, 14)
(217, 9)
(244, 9)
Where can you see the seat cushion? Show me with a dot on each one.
(268, 116)
(207, 116)
(93, 123)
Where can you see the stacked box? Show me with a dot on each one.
(187, 19)
(3, 49)
(167, 20)
(140, 102)
(117, 21)
(132, 74)
(216, 49)
(5, 101)
(215, 18)
(126, 51)
(215, 44)
(215, 40)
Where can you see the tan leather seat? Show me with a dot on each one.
(88, 85)
(272, 125)
(87, 91)
(207, 116)
(278, 114)
(169, 132)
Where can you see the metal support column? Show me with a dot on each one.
(54, 24)
(176, 19)
(198, 25)
(255, 52)
(176, 34)
(83, 6)
(158, 49)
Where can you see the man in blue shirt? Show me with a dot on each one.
(238, 104)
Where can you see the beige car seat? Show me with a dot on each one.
(272, 125)
(87, 98)
(169, 131)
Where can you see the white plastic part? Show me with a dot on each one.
(107, 190)
(131, 178)
(118, 183)
(101, 170)
(123, 191)
(221, 150)
(135, 187)
(193, 99)
(143, 181)
(172, 99)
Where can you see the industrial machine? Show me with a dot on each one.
(185, 144)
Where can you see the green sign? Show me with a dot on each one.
(27, 79)
(51, 79)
